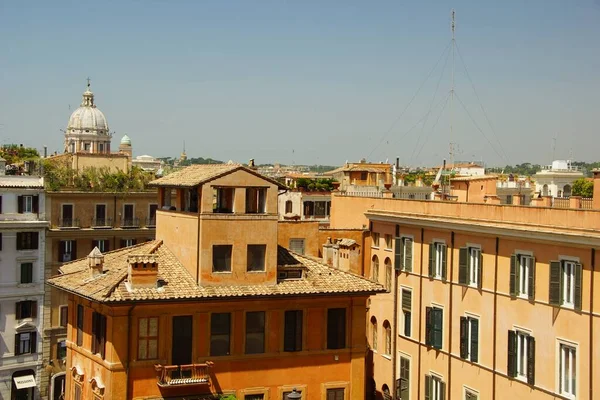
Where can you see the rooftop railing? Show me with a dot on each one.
(183, 375)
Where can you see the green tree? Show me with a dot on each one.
(583, 187)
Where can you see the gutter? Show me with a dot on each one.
(128, 349)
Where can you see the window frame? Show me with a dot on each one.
(80, 323)
(470, 337)
(375, 239)
(148, 338)
(297, 316)
(256, 200)
(31, 307)
(571, 391)
(99, 331)
(250, 267)
(387, 327)
(215, 335)
(28, 274)
(406, 308)
(431, 329)
(61, 350)
(63, 308)
(473, 279)
(389, 241)
(438, 260)
(31, 343)
(27, 201)
(227, 264)
(258, 332)
(337, 340)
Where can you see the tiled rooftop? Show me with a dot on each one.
(195, 175)
(20, 181)
(177, 283)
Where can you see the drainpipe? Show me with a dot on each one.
(450, 315)
(591, 339)
(420, 315)
(495, 317)
(395, 333)
(128, 349)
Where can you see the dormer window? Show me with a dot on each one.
(224, 200)
(256, 200)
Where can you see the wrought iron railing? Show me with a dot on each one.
(102, 223)
(130, 222)
(68, 223)
(182, 375)
(150, 222)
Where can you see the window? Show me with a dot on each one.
(321, 209)
(388, 338)
(521, 356)
(470, 265)
(222, 258)
(61, 349)
(102, 244)
(27, 204)
(336, 328)
(297, 246)
(469, 338)
(26, 309)
(63, 318)
(375, 268)
(258, 396)
(67, 250)
(292, 340)
(224, 200)
(470, 395)
(26, 272)
(406, 312)
(80, 316)
(403, 254)
(375, 238)
(288, 207)
(435, 388)
(77, 391)
(363, 176)
(100, 215)
(403, 384)
(128, 242)
(374, 333)
(25, 343)
(148, 338)
(565, 283)
(256, 200)
(67, 216)
(98, 334)
(437, 260)
(568, 371)
(27, 240)
(335, 394)
(522, 276)
(434, 319)
(255, 332)
(388, 242)
(388, 274)
(220, 328)
(256, 257)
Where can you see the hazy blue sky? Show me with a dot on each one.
(308, 81)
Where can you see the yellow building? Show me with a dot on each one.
(213, 305)
(485, 301)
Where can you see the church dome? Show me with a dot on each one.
(88, 119)
(125, 140)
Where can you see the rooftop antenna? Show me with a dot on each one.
(554, 146)
(452, 88)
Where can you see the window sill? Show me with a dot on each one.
(221, 272)
(375, 247)
(568, 306)
(388, 249)
(256, 272)
(387, 357)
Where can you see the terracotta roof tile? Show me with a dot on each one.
(177, 283)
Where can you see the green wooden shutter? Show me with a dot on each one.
(428, 387)
(464, 328)
(35, 204)
(406, 300)
(398, 254)
(578, 283)
(512, 354)
(408, 261)
(33, 342)
(462, 265)
(474, 339)
(513, 275)
(20, 204)
(555, 283)
(428, 326)
(17, 341)
(531, 280)
(444, 256)
(531, 360)
(438, 327)
(480, 272)
(431, 258)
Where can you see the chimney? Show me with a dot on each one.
(142, 271)
(95, 262)
(327, 252)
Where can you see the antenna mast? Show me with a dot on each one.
(452, 90)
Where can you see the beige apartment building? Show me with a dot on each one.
(485, 301)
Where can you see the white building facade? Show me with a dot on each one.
(22, 242)
(556, 180)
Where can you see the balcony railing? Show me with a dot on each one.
(68, 223)
(183, 375)
(150, 222)
(102, 223)
(130, 222)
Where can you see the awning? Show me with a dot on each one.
(24, 382)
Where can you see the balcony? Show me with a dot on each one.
(102, 223)
(68, 223)
(151, 222)
(183, 375)
(129, 223)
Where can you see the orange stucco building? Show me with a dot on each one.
(213, 305)
(486, 301)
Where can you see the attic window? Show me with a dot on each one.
(224, 200)
(255, 200)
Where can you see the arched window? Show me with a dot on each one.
(567, 191)
(374, 333)
(386, 392)
(388, 337)
(375, 268)
(388, 274)
(288, 207)
(545, 190)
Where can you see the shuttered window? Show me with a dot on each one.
(435, 388)
(437, 260)
(80, 318)
(255, 332)
(521, 356)
(470, 395)
(26, 309)
(335, 394)
(470, 266)
(469, 338)
(26, 272)
(336, 328)
(406, 311)
(25, 342)
(98, 334)
(403, 384)
(522, 276)
(220, 333)
(148, 338)
(434, 319)
(297, 245)
(565, 284)
(27, 240)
